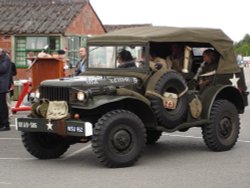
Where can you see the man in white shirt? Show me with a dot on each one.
(81, 65)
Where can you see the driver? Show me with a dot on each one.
(125, 60)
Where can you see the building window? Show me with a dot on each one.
(26, 45)
(54, 43)
(74, 43)
(33, 43)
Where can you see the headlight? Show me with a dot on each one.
(80, 96)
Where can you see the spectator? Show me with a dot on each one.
(43, 54)
(11, 86)
(5, 74)
(61, 56)
(81, 65)
(30, 58)
(239, 59)
(13, 73)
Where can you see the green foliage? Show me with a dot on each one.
(243, 46)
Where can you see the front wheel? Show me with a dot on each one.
(223, 131)
(119, 138)
(44, 145)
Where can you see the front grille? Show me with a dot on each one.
(54, 93)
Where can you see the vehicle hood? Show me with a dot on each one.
(90, 81)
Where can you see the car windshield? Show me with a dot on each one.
(114, 57)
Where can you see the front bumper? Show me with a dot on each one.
(64, 127)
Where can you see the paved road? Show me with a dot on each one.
(178, 160)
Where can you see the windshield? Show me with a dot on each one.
(116, 57)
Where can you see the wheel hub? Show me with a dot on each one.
(225, 127)
(121, 139)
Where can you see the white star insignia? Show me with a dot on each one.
(234, 81)
(49, 125)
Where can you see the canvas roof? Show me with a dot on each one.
(139, 35)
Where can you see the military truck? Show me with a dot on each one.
(120, 109)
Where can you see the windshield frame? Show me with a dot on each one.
(144, 48)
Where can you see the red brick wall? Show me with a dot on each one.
(86, 23)
(23, 74)
(5, 42)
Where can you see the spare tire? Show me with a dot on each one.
(172, 82)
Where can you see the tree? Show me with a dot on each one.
(243, 46)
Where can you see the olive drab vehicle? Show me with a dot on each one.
(120, 109)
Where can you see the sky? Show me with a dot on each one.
(232, 16)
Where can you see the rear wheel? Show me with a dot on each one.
(44, 145)
(223, 131)
(118, 139)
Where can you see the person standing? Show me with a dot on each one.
(81, 65)
(11, 86)
(5, 74)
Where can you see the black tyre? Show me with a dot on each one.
(153, 136)
(44, 145)
(119, 138)
(223, 131)
(170, 82)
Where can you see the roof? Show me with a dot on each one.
(139, 35)
(110, 28)
(38, 16)
(163, 34)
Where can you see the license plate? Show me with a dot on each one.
(73, 128)
(35, 124)
(79, 128)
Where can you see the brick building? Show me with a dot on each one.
(28, 25)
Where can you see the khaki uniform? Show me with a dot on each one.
(160, 61)
(176, 64)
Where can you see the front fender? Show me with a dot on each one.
(121, 94)
(104, 103)
(212, 93)
(98, 101)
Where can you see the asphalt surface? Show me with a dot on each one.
(177, 160)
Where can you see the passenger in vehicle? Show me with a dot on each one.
(156, 62)
(175, 59)
(125, 60)
(208, 67)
